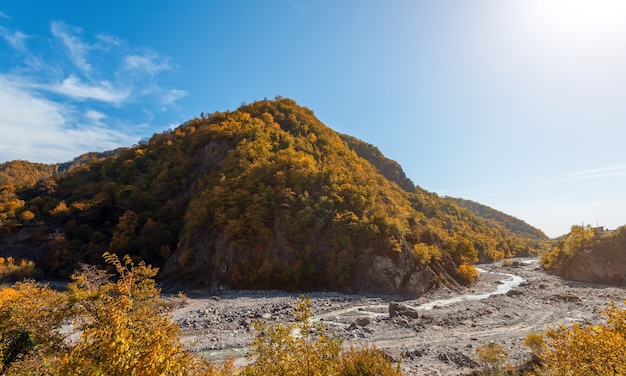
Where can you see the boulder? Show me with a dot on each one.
(397, 309)
(514, 292)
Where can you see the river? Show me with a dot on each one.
(374, 311)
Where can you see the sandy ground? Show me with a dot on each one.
(442, 340)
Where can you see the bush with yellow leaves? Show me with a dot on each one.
(304, 349)
(586, 349)
(120, 326)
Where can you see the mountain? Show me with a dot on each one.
(262, 197)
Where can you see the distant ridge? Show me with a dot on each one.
(514, 225)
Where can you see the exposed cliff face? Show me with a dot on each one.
(590, 255)
(213, 263)
(595, 267)
(401, 274)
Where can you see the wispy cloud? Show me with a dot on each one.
(4, 15)
(109, 40)
(596, 174)
(14, 38)
(151, 64)
(77, 49)
(171, 96)
(59, 102)
(37, 129)
(102, 91)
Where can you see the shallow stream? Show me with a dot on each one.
(382, 310)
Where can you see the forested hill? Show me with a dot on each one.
(490, 215)
(262, 197)
(25, 173)
(394, 172)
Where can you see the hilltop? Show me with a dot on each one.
(263, 197)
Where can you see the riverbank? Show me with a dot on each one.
(441, 340)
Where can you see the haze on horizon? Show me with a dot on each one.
(518, 105)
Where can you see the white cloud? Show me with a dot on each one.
(78, 50)
(95, 116)
(4, 15)
(172, 96)
(102, 91)
(596, 174)
(39, 130)
(109, 40)
(75, 97)
(146, 63)
(14, 39)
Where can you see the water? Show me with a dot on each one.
(511, 281)
(381, 310)
(233, 352)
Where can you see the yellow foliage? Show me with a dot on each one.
(303, 348)
(493, 354)
(468, 273)
(61, 208)
(588, 350)
(14, 271)
(27, 215)
(425, 253)
(123, 329)
(367, 361)
(30, 316)
(535, 341)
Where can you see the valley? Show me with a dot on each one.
(442, 340)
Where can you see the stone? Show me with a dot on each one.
(514, 292)
(397, 309)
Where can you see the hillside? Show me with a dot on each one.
(512, 224)
(262, 197)
(590, 255)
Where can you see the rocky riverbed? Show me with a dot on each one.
(437, 334)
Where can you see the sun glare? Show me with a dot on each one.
(586, 19)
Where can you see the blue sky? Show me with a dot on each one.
(519, 105)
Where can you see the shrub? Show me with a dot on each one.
(123, 329)
(12, 270)
(588, 350)
(468, 273)
(368, 361)
(303, 348)
(30, 319)
(535, 341)
(494, 354)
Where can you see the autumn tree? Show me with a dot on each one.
(30, 318)
(123, 329)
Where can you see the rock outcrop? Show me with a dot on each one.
(595, 267)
